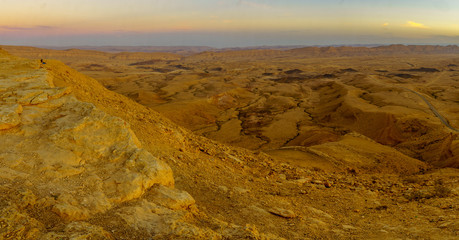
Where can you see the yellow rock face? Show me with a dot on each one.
(9, 116)
(66, 165)
(77, 144)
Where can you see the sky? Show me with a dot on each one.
(227, 23)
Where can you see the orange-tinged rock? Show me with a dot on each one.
(9, 116)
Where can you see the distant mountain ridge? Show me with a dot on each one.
(390, 49)
(134, 53)
(183, 50)
(188, 50)
(341, 51)
(33, 52)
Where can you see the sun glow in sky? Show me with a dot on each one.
(228, 23)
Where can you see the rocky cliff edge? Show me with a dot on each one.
(71, 170)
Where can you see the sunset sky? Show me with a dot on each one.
(227, 23)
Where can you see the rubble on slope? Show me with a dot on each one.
(70, 170)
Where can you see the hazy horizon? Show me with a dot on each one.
(206, 48)
(227, 23)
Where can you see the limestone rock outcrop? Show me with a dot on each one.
(70, 170)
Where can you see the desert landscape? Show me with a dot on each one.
(292, 100)
(199, 143)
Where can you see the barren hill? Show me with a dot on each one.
(324, 52)
(374, 51)
(74, 54)
(182, 50)
(78, 160)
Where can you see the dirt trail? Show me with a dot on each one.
(434, 110)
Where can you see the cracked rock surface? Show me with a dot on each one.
(65, 163)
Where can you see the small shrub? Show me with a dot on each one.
(441, 190)
(417, 195)
(412, 179)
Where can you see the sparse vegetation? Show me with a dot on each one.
(337, 151)
(441, 190)
(412, 179)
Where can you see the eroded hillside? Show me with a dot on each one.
(274, 100)
(345, 159)
(71, 170)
